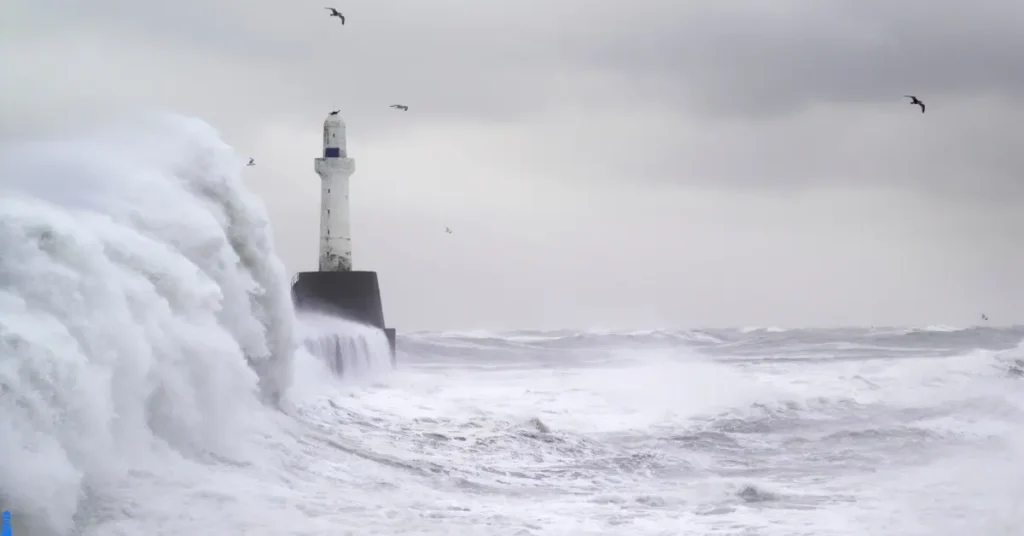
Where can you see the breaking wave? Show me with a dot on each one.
(141, 307)
(347, 349)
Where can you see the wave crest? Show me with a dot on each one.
(141, 304)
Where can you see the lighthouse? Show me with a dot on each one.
(335, 169)
(336, 288)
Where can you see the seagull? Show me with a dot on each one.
(984, 316)
(252, 162)
(448, 230)
(335, 112)
(402, 107)
(335, 13)
(915, 100)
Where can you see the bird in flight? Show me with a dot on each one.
(984, 316)
(402, 107)
(915, 100)
(336, 13)
(252, 162)
(448, 230)
(335, 112)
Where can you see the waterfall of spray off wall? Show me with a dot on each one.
(141, 307)
(347, 348)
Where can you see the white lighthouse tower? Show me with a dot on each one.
(335, 288)
(335, 169)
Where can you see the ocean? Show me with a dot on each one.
(155, 380)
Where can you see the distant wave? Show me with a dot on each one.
(897, 339)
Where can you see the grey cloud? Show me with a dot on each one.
(487, 60)
(738, 59)
(429, 56)
(969, 150)
(708, 93)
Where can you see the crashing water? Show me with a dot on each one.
(141, 308)
(141, 305)
(155, 380)
(347, 349)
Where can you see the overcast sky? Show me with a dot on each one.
(650, 163)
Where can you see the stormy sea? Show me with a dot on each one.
(156, 380)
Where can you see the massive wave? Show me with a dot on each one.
(141, 307)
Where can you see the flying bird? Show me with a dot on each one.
(984, 316)
(336, 13)
(335, 112)
(252, 162)
(915, 100)
(448, 230)
(402, 107)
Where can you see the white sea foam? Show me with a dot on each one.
(140, 304)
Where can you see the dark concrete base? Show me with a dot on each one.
(351, 295)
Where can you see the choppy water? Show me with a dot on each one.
(154, 381)
(708, 432)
